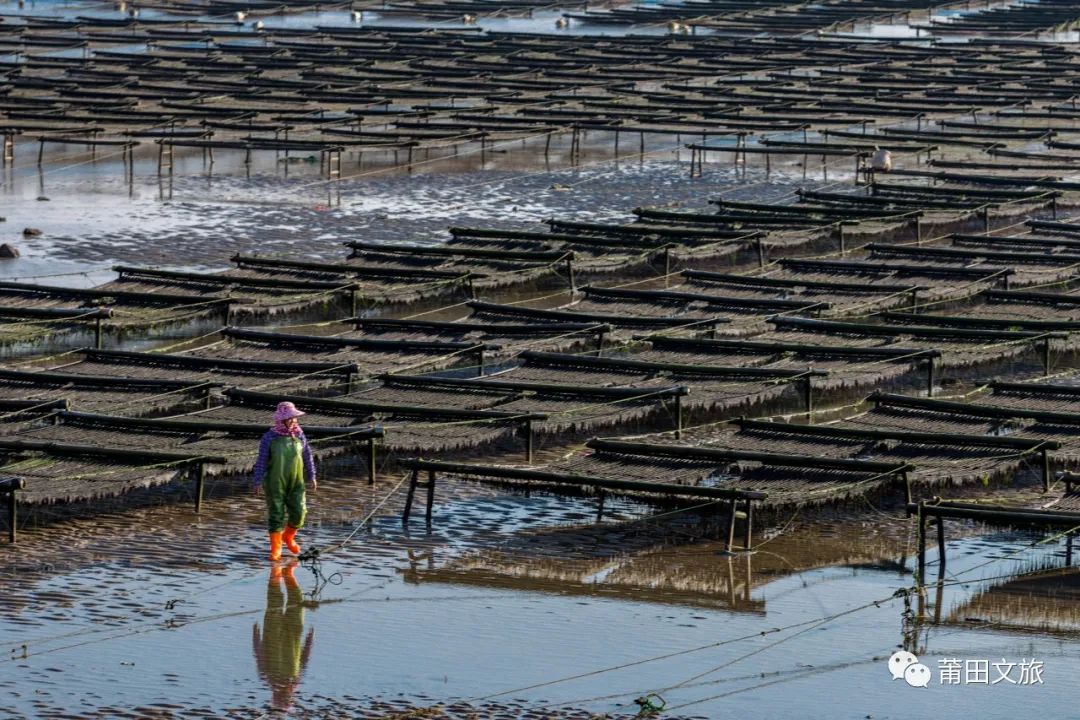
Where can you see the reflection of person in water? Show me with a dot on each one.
(279, 655)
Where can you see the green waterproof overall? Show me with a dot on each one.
(284, 484)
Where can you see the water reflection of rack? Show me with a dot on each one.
(700, 575)
(728, 584)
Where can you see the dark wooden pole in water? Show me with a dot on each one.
(1046, 356)
(409, 496)
(922, 544)
(749, 529)
(430, 496)
(905, 477)
(570, 275)
(8, 487)
(1045, 469)
(97, 333)
(941, 545)
(480, 361)
(600, 504)
(808, 395)
(930, 377)
(678, 416)
(731, 526)
(200, 484)
(528, 427)
(371, 461)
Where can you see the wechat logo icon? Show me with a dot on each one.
(905, 666)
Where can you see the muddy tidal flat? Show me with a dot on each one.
(681, 360)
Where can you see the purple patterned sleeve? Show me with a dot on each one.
(309, 461)
(262, 462)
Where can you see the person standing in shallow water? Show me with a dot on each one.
(283, 464)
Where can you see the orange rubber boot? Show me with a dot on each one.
(289, 537)
(275, 546)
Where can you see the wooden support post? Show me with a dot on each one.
(922, 545)
(1068, 550)
(1053, 207)
(13, 516)
(731, 525)
(97, 332)
(918, 229)
(413, 482)
(430, 496)
(570, 276)
(941, 545)
(371, 461)
(748, 530)
(761, 252)
(200, 484)
(930, 377)
(986, 220)
(905, 477)
(1045, 456)
(808, 396)
(667, 265)
(529, 440)
(678, 416)
(480, 361)
(599, 505)
(600, 335)
(840, 233)
(354, 301)
(914, 301)
(1046, 356)
(41, 152)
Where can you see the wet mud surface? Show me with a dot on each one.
(200, 220)
(508, 606)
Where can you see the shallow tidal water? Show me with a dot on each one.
(504, 599)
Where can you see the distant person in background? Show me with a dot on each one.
(280, 655)
(283, 464)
